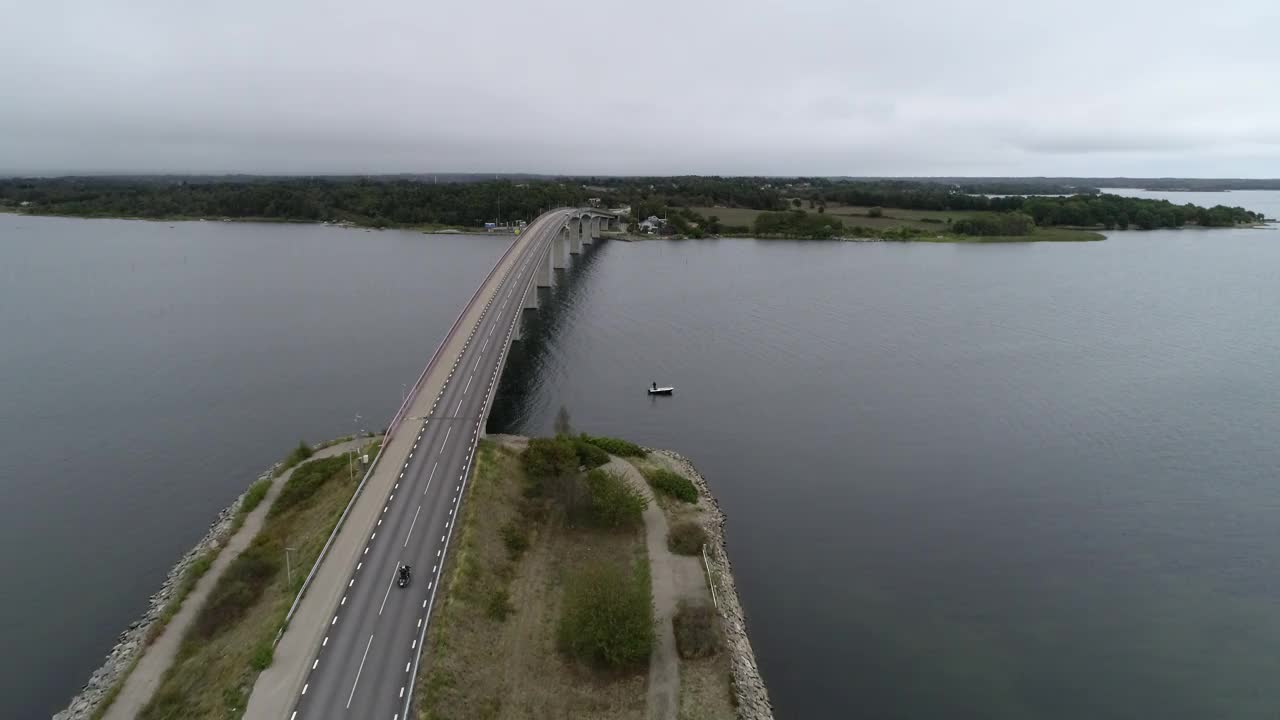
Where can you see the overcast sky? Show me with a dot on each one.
(907, 87)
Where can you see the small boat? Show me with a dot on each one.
(655, 390)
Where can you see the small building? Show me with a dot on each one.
(593, 202)
(651, 224)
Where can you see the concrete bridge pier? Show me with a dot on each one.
(560, 250)
(575, 240)
(584, 231)
(545, 274)
(530, 304)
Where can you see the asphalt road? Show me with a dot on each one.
(369, 655)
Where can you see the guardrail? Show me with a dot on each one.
(386, 440)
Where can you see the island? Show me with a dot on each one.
(591, 577)
(685, 206)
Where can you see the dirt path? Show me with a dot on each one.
(663, 700)
(145, 678)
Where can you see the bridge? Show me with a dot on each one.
(353, 640)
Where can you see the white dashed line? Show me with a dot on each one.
(446, 437)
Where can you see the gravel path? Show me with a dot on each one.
(663, 698)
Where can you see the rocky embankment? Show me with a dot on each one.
(748, 687)
(133, 641)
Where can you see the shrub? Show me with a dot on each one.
(297, 455)
(607, 615)
(686, 538)
(614, 446)
(875, 212)
(549, 458)
(590, 455)
(614, 503)
(516, 540)
(697, 630)
(305, 481)
(498, 606)
(262, 655)
(673, 484)
(254, 496)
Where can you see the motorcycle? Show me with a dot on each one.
(403, 580)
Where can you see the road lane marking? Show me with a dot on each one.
(458, 409)
(468, 387)
(326, 641)
(446, 437)
(485, 345)
(315, 664)
(304, 688)
(384, 597)
(360, 670)
(415, 521)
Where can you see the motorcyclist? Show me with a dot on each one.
(404, 572)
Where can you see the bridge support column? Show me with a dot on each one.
(584, 231)
(546, 277)
(575, 240)
(595, 227)
(560, 250)
(531, 298)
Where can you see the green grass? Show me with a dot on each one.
(230, 641)
(607, 616)
(306, 481)
(254, 495)
(1049, 234)
(671, 484)
(933, 223)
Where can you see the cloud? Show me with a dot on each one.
(603, 86)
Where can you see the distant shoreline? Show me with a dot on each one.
(345, 225)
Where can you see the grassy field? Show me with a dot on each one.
(230, 641)
(492, 648)
(852, 215)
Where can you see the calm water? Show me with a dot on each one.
(1006, 481)
(149, 372)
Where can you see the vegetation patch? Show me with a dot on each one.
(615, 504)
(589, 454)
(230, 641)
(686, 538)
(607, 617)
(697, 629)
(254, 495)
(306, 481)
(295, 456)
(494, 647)
(671, 484)
(614, 446)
